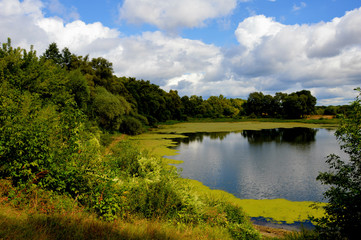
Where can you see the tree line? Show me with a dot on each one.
(126, 104)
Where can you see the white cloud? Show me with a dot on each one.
(162, 58)
(172, 15)
(270, 57)
(17, 21)
(321, 56)
(253, 30)
(79, 36)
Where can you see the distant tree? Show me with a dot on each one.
(238, 104)
(292, 107)
(309, 101)
(330, 110)
(298, 104)
(216, 103)
(174, 104)
(343, 211)
(255, 104)
(53, 53)
(66, 58)
(103, 71)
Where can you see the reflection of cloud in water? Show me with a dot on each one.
(202, 159)
(275, 168)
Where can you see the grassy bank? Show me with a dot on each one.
(159, 140)
(32, 221)
(133, 195)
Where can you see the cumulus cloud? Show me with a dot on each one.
(319, 56)
(156, 56)
(252, 31)
(81, 37)
(25, 23)
(172, 15)
(270, 56)
(17, 21)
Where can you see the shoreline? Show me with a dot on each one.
(158, 142)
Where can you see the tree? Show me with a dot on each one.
(343, 212)
(109, 108)
(103, 70)
(255, 104)
(299, 104)
(53, 53)
(66, 58)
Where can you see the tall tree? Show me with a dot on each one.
(343, 212)
(53, 53)
(299, 104)
(255, 103)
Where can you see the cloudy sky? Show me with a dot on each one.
(205, 47)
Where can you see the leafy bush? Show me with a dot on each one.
(131, 126)
(232, 217)
(145, 186)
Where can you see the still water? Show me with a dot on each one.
(264, 164)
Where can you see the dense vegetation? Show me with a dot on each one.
(54, 111)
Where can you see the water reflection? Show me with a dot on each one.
(280, 135)
(199, 136)
(265, 164)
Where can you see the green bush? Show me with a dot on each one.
(146, 186)
(234, 219)
(131, 126)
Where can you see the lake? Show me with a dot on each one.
(263, 164)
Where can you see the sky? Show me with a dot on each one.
(205, 47)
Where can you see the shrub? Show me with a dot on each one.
(131, 126)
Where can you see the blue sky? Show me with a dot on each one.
(205, 47)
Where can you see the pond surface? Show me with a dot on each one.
(264, 164)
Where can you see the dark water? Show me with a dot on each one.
(265, 164)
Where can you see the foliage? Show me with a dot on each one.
(109, 108)
(213, 107)
(131, 126)
(153, 102)
(343, 218)
(294, 105)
